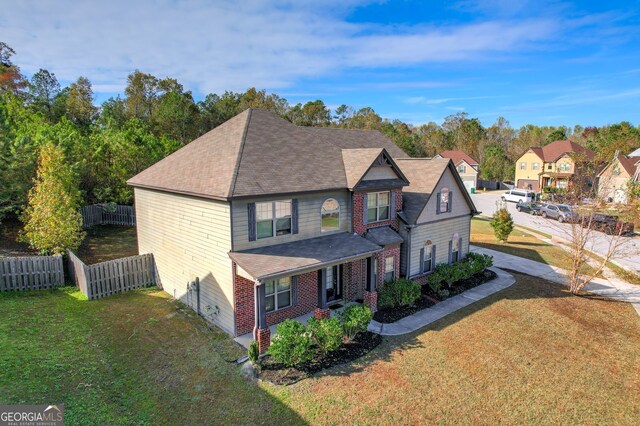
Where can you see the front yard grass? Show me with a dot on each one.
(532, 353)
(134, 358)
(519, 244)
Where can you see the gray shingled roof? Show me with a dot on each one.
(423, 175)
(383, 236)
(258, 153)
(303, 256)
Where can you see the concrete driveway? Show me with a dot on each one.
(627, 255)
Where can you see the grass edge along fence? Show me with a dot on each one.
(31, 273)
(113, 276)
(108, 214)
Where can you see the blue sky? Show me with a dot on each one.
(540, 62)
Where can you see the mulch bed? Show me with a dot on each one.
(430, 298)
(278, 374)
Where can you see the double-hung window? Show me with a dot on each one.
(455, 248)
(330, 215)
(273, 218)
(277, 294)
(535, 166)
(389, 269)
(377, 206)
(427, 265)
(462, 168)
(523, 166)
(444, 200)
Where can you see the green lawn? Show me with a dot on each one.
(520, 244)
(532, 353)
(134, 358)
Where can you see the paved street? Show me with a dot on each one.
(627, 255)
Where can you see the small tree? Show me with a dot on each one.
(52, 222)
(502, 222)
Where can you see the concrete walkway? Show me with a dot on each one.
(444, 308)
(612, 288)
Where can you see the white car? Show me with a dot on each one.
(519, 196)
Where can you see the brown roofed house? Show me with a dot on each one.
(613, 180)
(278, 221)
(466, 166)
(550, 166)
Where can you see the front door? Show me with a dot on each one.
(334, 283)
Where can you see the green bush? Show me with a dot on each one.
(325, 333)
(254, 352)
(292, 344)
(445, 273)
(502, 223)
(401, 292)
(355, 319)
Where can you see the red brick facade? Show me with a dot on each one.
(392, 250)
(263, 336)
(359, 227)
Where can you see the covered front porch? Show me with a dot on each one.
(554, 180)
(299, 279)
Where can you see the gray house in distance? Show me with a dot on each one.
(276, 221)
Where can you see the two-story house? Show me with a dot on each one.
(466, 166)
(613, 180)
(550, 166)
(275, 221)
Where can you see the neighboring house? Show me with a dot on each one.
(614, 179)
(275, 221)
(550, 166)
(466, 166)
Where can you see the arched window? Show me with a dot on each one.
(330, 215)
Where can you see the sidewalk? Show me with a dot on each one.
(611, 288)
(444, 308)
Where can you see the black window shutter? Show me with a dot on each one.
(392, 204)
(433, 257)
(365, 205)
(459, 248)
(294, 290)
(450, 249)
(251, 207)
(438, 203)
(294, 216)
(421, 260)
(450, 201)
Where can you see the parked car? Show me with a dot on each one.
(560, 212)
(517, 195)
(609, 224)
(531, 208)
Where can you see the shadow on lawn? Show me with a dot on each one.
(136, 357)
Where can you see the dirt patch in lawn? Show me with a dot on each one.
(9, 246)
(108, 242)
(279, 374)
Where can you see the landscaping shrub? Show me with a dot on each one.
(325, 333)
(292, 344)
(445, 273)
(502, 223)
(253, 352)
(355, 319)
(401, 292)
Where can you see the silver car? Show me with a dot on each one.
(560, 212)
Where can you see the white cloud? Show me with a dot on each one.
(228, 45)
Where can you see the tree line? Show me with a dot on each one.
(107, 144)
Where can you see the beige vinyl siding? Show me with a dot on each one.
(189, 237)
(309, 219)
(440, 233)
(459, 207)
(609, 183)
(379, 173)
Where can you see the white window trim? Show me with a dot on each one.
(424, 270)
(378, 206)
(329, 212)
(276, 293)
(274, 218)
(393, 270)
(535, 166)
(444, 191)
(523, 165)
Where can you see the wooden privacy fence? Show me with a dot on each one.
(113, 276)
(108, 214)
(31, 273)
